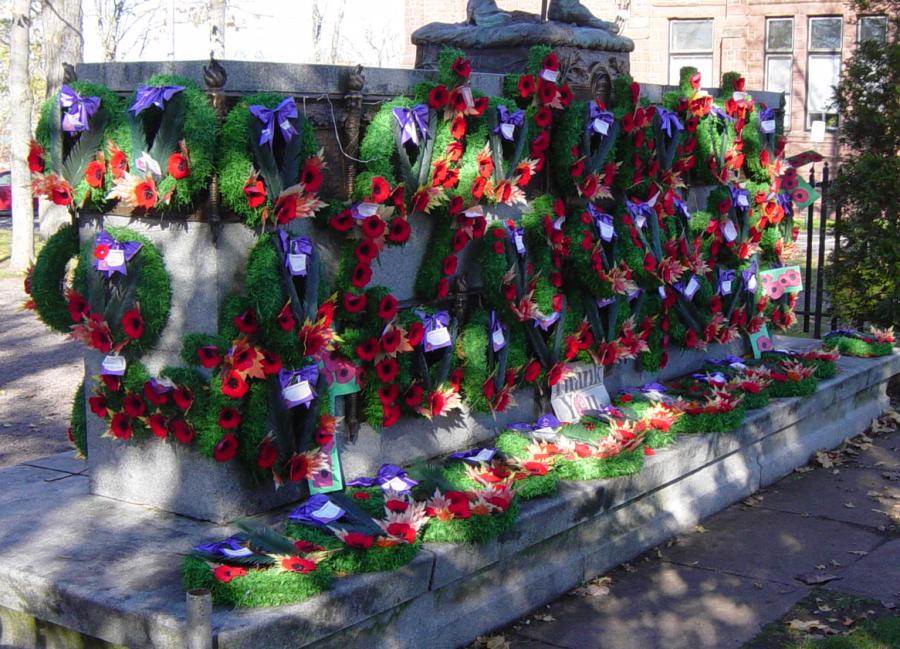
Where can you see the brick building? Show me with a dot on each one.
(793, 46)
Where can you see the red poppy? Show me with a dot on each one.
(324, 437)
(390, 415)
(541, 142)
(536, 468)
(271, 362)
(177, 166)
(209, 356)
(285, 318)
(555, 374)
(97, 405)
(286, 208)
(478, 187)
(61, 194)
(118, 161)
(438, 97)
(296, 564)
(145, 194)
(649, 262)
(94, 172)
(341, 222)
(101, 341)
(380, 189)
(454, 151)
(267, 455)
(413, 396)
(565, 94)
(77, 306)
(362, 275)
(365, 252)
(388, 394)
(459, 504)
(359, 540)
(372, 227)
(546, 92)
(325, 312)
(550, 62)
(398, 230)
(361, 495)
(366, 350)
(183, 398)
(133, 323)
(133, 405)
(157, 423)
(455, 379)
(354, 303)
(225, 574)
(112, 383)
(526, 86)
(181, 430)
(461, 67)
(234, 386)
(543, 117)
(532, 371)
(387, 370)
(120, 426)
(311, 176)
(387, 307)
(255, 193)
(226, 448)
(154, 397)
(403, 531)
(246, 322)
(450, 265)
(414, 333)
(35, 158)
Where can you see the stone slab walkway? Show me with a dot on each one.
(836, 522)
(39, 373)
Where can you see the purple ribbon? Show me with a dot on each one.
(668, 120)
(640, 212)
(146, 96)
(727, 360)
(293, 247)
(390, 476)
(281, 115)
(749, 277)
(119, 253)
(517, 236)
(159, 387)
(544, 421)
(78, 109)
(786, 202)
(603, 222)
(495, 330)
(434, 338)
(740, 197)
(412, 121)
(725, 281)
(633, 294)
(294, 396)
(767, 115)
(605, 302)
(512, 120)
(681, 208)
(688, 288)
(231, 548)
(547, 321)
(653, 388)
(715, 377)
(318, 510)
(596, 117)
(721, 114)
(475, 455)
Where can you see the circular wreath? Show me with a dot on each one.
(99, 161)
(152, 291)
(198, 133)
(48, 279)
(236, 164)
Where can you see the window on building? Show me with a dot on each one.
(872, 28)
(780, 60)
(691, 44)
(823, 70)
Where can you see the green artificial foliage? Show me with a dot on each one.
(685, 73)
(722, 422)
(801, 388)
(236, 163)
(439, 247)
(729, 79)
(475, 529)
(78, 422)
(194, 341)
(850, 346)
(378, 148)
(265, 587)
(254, 427)
(446, 57)
(756, 401)
(352, 560)
(590, 468)
(48, 278)
(472, 348)
(199, 135)
(528, 488)
(85, 145)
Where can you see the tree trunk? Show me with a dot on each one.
(20, 137)
(217, 17)
(63, 39)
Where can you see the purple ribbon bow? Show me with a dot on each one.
(412, 121)
(749, 277)
(231, 548)
(146, 96)
(281, 115)
(119, 253)
(498, 338)
(542, 422)
(517, 235)
(641, 211)
(668, 120)
(633, 294)
(293, 391)
(725, 281)
(740, 197)
(436, 335)
(605, 302)
(721, 114)
(597, 117)
(389, 476)
(78, 109)
(296, 252)
(318, 510)
(547, 321)
(786, 202)
(653, 388)
(603, 222)
(715, 377)
(509, 120)
(767, 115)
(688, 288)
(681, 208)
(475, 455)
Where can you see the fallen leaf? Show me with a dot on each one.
(810, 625)
(495, 642)
(849, 505)
(700, 529)
(860, 553)
(803, 469)
(823, 459)
(824, 608)
(545, 617)
(814, 578)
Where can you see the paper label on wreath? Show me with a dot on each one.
(297, 263)
(662, 291)
(396, 484)
(466, 93)
(498, 340)
(692, 287)
(365, 210)
(297, 393)
(580, 393)
(328, 513)
(484, 455)
(115, 258)
(606, 230)
(438, 338)
(545, 434)
(737, 95)
(761, 342)
(600, 126)
(726, 287)
(520, 244)
(508, 130)
(550, 75)
(474, 212)
(729, 230)
(767, 126)
(235, 554)
(113, 365)
(330, 478)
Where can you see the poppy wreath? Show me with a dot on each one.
(77, 432)
(877, 342)
(584, 147)
(260, 160)
(271, 570)
(78, 149)
(46, 281)
(790, 377)
(491, 365)
(712, 411)
(171, 148)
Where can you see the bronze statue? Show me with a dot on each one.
(485, 13)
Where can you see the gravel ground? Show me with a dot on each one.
(39, 373)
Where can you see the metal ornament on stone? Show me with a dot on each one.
(353, 100)
(214, 78)
(461, 299)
